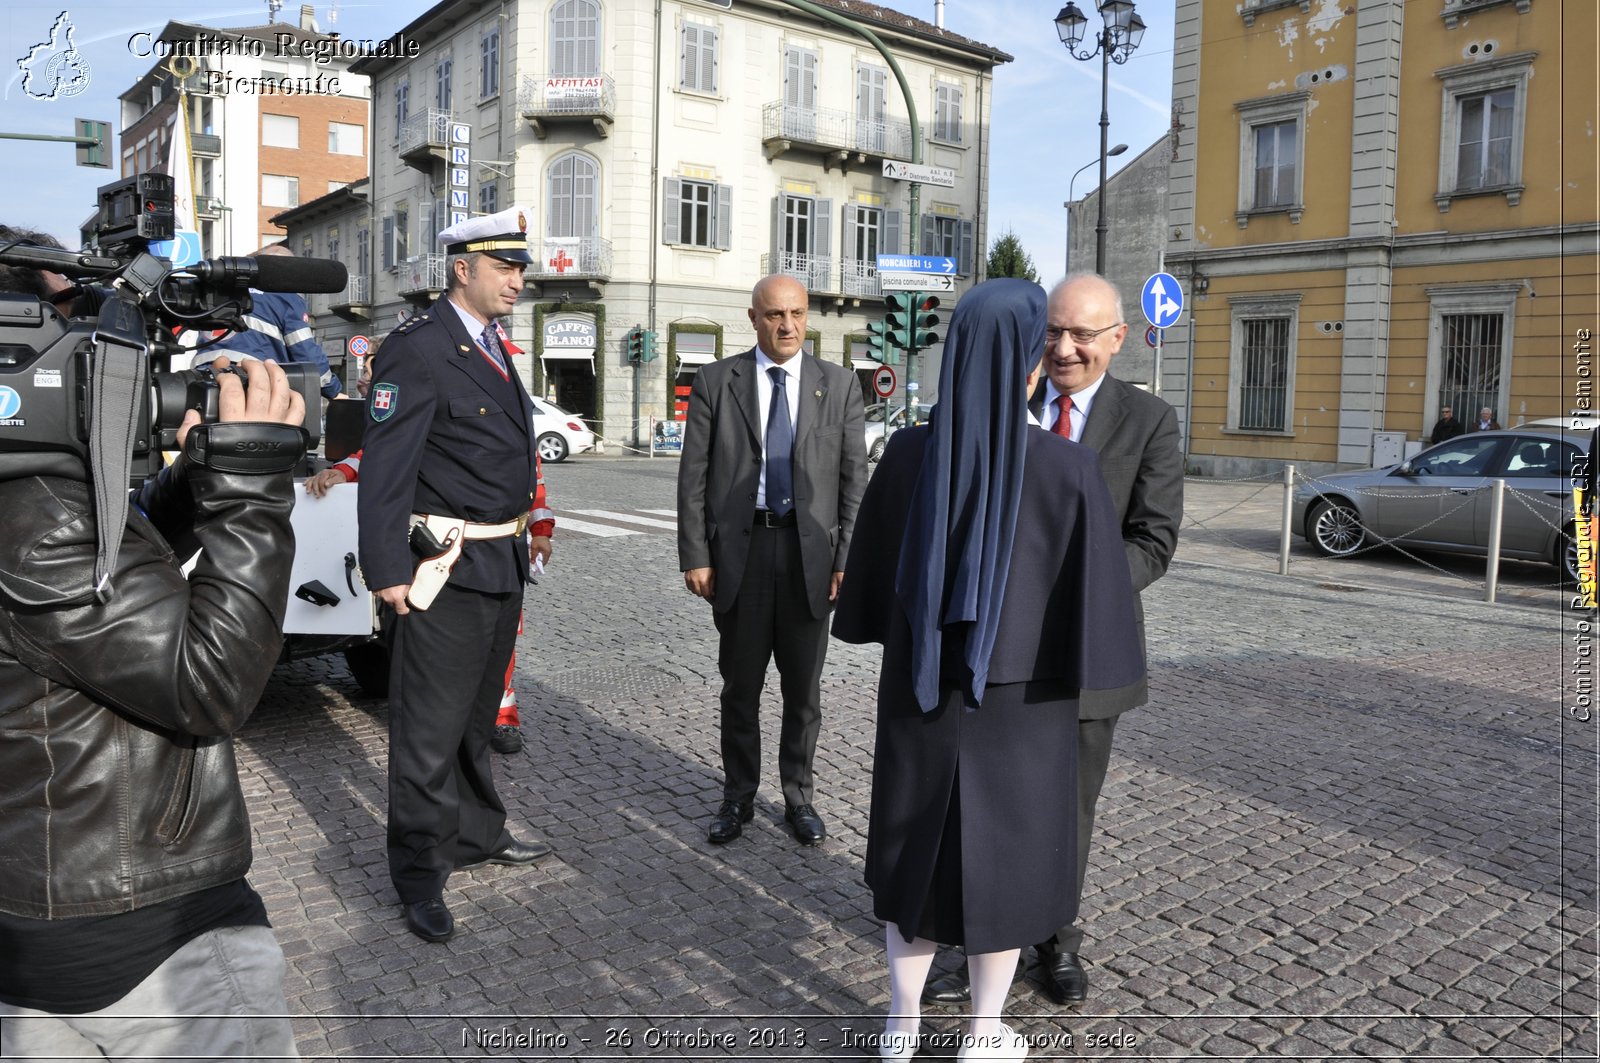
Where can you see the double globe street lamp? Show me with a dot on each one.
(1120, 37)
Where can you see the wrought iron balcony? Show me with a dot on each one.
(548, 99)
(839, 135)
(556, 257)
(422, 275)
(425, 136)
(860, 278)
(814, 271)
(205, 145)
(357, 292)
(207, 208)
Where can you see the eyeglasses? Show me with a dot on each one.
(1079, 335)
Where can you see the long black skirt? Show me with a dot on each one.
(972, 838)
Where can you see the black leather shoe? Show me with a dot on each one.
(808, 828)
(515, 854)
(1064, 978)
(430, 920)
(953, 988)
(729, 821)
(507, 739)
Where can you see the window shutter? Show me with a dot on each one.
(791, 77)
(724, 218)
(964, 260)
(708, 59)
(822, 234)
(671, 210)
(893, 220)
(777, 233)
(927, 234)
(689, 59)
(425, 229)
(388, 241)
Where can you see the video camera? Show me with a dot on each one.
(129, 304)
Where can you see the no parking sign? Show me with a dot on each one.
(359, 346)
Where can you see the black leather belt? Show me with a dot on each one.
(765, 518)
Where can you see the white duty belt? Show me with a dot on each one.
(469, 529)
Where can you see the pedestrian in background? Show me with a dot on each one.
(279, 330)
(989, 563)
(1446, 427)
(1485, 421)
(774, 463)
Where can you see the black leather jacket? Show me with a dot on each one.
(120, 788)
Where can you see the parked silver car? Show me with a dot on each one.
(877, 435)
(1441, 499)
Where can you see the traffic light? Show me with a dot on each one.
(878, 340)
(633, 343)
(649, 352)
(94, 152)
(898, 321)
(923, 321)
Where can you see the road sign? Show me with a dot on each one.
(915, 282)
(1161, 299)
(935, 264)
(924, 175)
(359, 346)
(883, 380)
(1152, 337)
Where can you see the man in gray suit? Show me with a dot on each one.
(1136, 436)
(774, 464)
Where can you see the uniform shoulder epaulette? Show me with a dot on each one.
(412, 323)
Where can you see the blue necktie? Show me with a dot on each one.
(491, 346)
(780, 449)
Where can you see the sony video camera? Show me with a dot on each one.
(129, 304)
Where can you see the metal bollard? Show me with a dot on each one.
(1496, 511)
(1288, 520)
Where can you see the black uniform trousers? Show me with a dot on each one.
(771, 618)
(1094, 758)
(446, 678)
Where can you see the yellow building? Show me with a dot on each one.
(1379, 208)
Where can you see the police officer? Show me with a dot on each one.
(449, 443)
(279, 331)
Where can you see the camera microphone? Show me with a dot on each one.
(273, 273)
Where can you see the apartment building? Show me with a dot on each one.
(1378, 209)
(670, 155)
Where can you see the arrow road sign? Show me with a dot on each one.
(916, 264)
(922, 175)
(1161, 299)
(915, 282)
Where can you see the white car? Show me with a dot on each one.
(558, 432)
(876, 435)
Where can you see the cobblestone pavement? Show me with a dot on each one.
(1358, 820)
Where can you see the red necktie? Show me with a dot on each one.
(1063, 425)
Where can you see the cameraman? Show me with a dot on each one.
(127, 928)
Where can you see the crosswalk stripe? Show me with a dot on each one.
(627, 518)
(661, 512)
(566, 523)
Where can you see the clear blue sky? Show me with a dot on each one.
(1045, 121)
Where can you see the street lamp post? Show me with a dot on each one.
(1118, 150)
(1118, 40)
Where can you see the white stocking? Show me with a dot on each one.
(908, 970)
(991, 974)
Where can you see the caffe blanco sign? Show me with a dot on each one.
(569, 332)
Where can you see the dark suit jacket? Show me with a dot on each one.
(721, 468)
(1136, 435)
(451, 437)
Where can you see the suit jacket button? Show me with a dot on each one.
(482, 411)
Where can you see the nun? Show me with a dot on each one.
(988, 562)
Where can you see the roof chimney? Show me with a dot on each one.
(938, 13)
(308, 18)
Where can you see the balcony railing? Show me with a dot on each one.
(555, 257)
(814, 271)
(551, 98)
(207, 208)
(425, 132)
(783, 124)
(357, 292)
(859, 278)
(422, 275)
(205, 145)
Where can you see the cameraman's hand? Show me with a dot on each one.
(269, 397)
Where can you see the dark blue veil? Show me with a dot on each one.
(963, 519)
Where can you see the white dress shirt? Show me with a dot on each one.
(1081, 402)
(791, 391)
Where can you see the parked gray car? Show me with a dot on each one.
(1441, 499)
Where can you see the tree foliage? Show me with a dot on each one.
(1008, 259)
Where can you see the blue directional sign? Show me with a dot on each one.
(1161, 300)
(916, 264)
